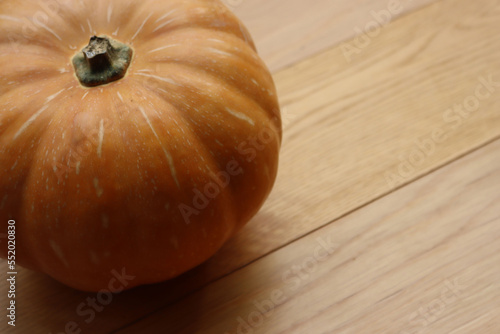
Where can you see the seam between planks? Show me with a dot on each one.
(349, 212)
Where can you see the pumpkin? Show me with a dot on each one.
(136, 137)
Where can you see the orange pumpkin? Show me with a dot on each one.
(139, 152)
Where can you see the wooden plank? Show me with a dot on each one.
(422, 259)
(356, 132)
(287, 32)
(347, 124)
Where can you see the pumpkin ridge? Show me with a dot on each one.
(47, 44)
(220, 107)
(228, 85)
(30, 118)
(48, 76)
(233, 25)
(186, 121)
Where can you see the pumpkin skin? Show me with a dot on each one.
(149, 174)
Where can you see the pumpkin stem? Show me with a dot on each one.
(98, 53)
(102, 61)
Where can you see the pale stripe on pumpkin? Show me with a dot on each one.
(159, 78)
(140, 28)
(169, 157)
(10, 18)
(30, 121)
(110, 11)
(241, 116)
(53, 96)
(165, 15)
(101, 138)
(163, 48)
(55, 247)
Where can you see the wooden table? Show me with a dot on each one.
(385, 217)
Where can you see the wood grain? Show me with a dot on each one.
(354, 133)
(287, 32)
(422, 259)
(347, 123)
